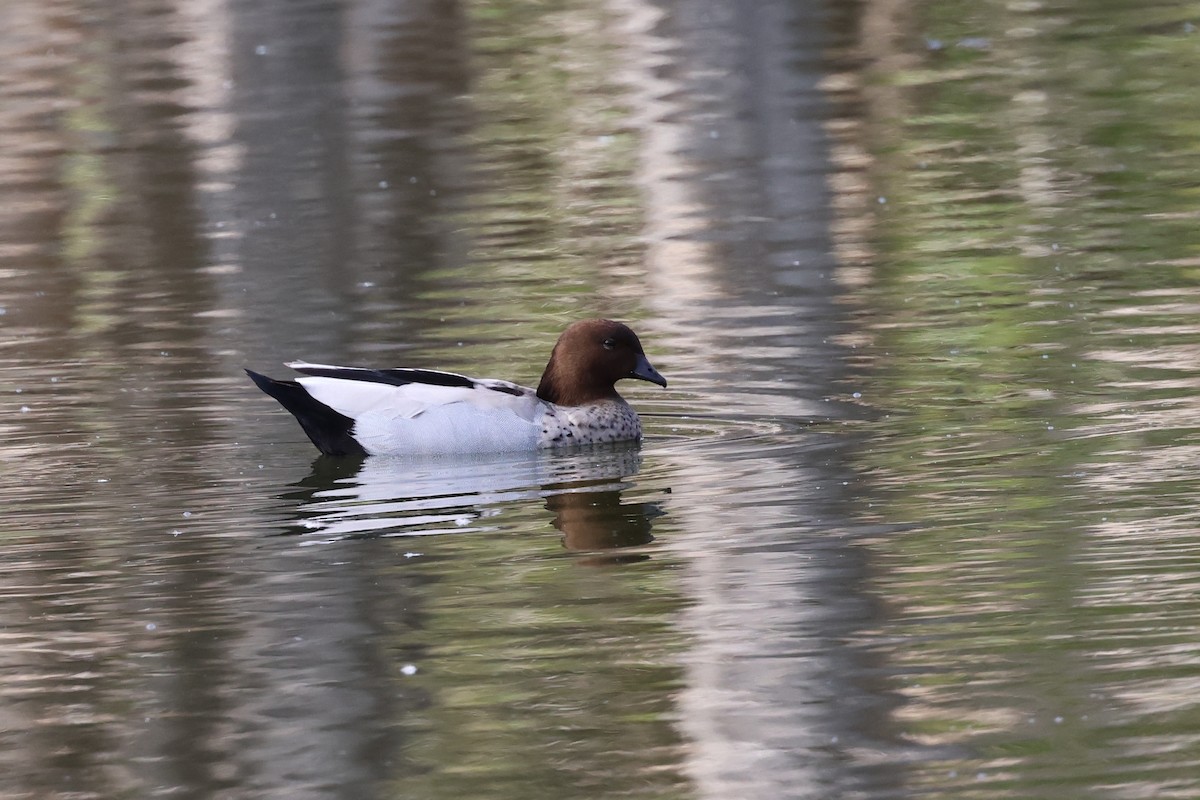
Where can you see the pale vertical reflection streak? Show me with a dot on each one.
(749, 707)
(205, 57)
(261, 739)
(679, 268)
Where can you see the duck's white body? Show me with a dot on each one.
(487, 416)
(357, 411)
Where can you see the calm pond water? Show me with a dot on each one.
(919, 514)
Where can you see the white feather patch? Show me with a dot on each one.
(421, 418)
(450, 429)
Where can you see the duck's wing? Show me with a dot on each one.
(414, 411)
(403, 377)
(390, 377)
(408, 393)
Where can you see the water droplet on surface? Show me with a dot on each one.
(974, 43)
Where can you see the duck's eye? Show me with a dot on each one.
(609, 343)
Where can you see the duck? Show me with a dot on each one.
(359, 411)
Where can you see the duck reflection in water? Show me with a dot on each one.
(381, 497)
(597, 522)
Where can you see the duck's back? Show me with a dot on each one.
(429, 419)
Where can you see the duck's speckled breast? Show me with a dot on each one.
(609, 421)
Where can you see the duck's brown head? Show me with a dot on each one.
(589, 358)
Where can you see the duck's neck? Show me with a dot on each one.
(575, 390)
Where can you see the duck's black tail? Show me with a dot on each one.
(329, 430)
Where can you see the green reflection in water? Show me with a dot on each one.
(553, 215)
(1036, 340)
(547, 206)
(548, 674)
(561, 681)
(87, 176)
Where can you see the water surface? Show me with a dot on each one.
(916, 516)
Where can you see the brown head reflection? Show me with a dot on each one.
(598, 522)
